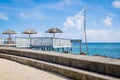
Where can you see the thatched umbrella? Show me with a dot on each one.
(29, 32)
(9, 32)
(54, 30)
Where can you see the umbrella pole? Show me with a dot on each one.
(30, 40)
(29, 35)
(53, 35)
(9, 38)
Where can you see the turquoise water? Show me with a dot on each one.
(107, 49)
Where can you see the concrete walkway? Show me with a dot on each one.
(73, 66)
(10, 70)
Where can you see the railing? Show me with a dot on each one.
(1, 41)
(42, 41)
(60, 42)
(22, 42)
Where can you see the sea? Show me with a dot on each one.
(111, 50)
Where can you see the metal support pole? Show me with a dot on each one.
(85, 30)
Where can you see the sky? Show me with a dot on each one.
(102, 18)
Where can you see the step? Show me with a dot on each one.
(101, 65)
(69, 72)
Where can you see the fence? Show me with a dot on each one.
(42, 41)
(1, 41)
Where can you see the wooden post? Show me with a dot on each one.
(80, 46)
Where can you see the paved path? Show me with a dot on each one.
(10, 70)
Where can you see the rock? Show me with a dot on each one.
(99, 55)
(83, 53)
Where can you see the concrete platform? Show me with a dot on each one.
(70, 72)
(101, 65)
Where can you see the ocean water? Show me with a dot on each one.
(106, 49)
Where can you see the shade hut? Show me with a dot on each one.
(9, 32)
(29, 32)
(54, 31)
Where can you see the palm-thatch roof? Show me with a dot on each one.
(54, 30)
(9, 32)
(29, 31)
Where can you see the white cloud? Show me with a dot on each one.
(116, 4)
(103, 35)
(71, 33)
(74, 21)
(107, 21)
(3, 17)
(93, 35)
(74, 30)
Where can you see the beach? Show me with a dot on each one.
(10, 70)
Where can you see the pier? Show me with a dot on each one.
(48, 44)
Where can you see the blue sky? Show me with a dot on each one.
(103, 18)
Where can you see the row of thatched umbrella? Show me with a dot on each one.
(31, 31)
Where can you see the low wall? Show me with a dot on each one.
(72, 73)
(91, 63)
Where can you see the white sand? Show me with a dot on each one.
(10, 70)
